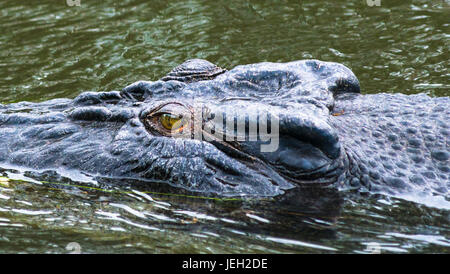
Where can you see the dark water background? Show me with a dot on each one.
(49, 49)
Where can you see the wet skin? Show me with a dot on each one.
(330, 135)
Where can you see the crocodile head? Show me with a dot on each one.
(256, 129)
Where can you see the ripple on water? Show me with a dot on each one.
(50, 50)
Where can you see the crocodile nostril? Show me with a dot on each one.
(345, 85)
(338, 78)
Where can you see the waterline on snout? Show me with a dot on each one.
(230, 126)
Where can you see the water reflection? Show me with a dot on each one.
(131, 219)
(50, 50)
(288, 220)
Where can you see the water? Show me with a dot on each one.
(51, 50)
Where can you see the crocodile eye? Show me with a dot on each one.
(170, 121)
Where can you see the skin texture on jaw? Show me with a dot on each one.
(170, 131)
(396, 143)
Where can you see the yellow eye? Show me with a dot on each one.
(170, 122)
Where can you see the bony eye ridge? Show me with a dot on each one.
(170, 121)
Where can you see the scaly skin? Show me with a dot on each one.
(395, 142)
(329, 134)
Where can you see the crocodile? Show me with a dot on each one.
(255, 130)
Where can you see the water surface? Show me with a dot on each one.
(51, 50)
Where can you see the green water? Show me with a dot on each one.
(49, 49)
